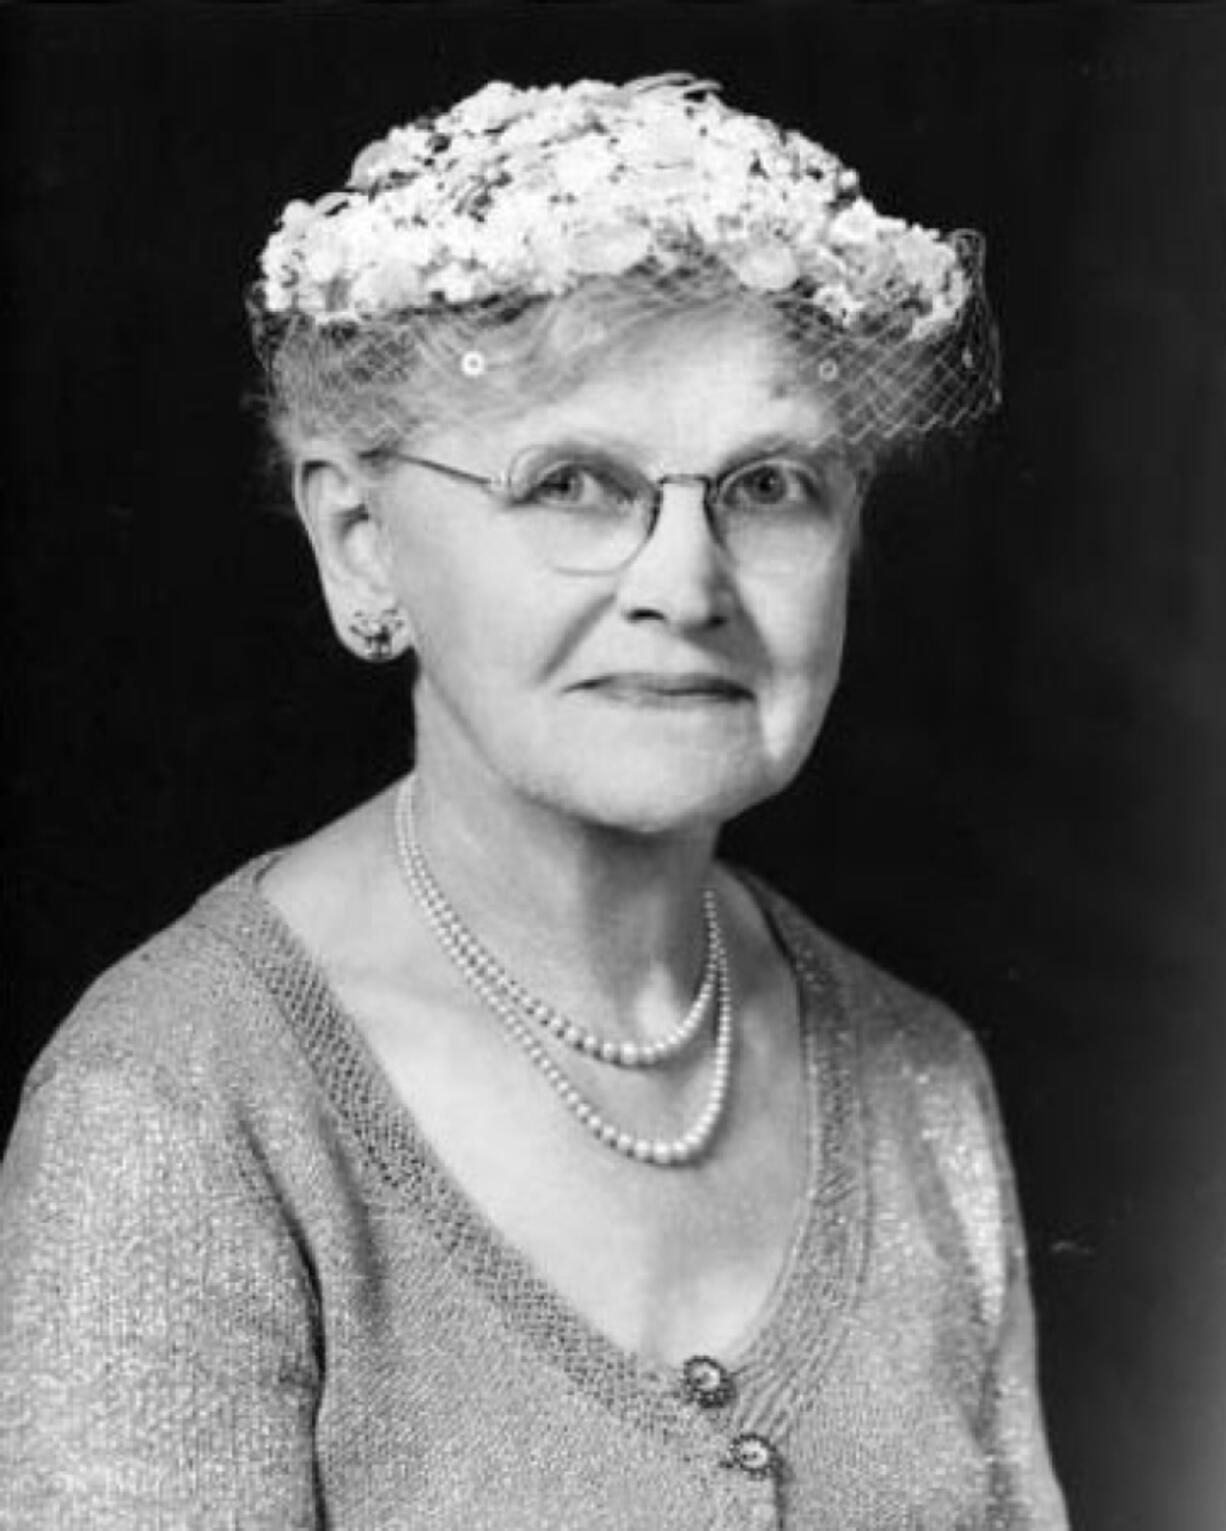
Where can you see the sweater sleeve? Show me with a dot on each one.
(1025, 1493)
(965, 1132)
(1026, 1496)
(157, 1363)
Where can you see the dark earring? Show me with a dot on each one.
(378, 634)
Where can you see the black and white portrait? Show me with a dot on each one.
(615, 692)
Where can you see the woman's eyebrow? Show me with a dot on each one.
(811, 444)
(579, 440)
(781, 440)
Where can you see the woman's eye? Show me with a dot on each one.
(568, 482)
(777, 483)
(575, 486)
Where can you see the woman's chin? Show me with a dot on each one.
(652, 801)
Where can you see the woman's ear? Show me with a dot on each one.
(337, 503)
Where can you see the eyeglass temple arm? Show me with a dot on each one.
(496, 481)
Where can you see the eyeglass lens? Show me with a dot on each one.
(589, 512)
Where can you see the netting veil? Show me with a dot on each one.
(495, 253)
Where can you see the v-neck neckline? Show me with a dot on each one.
(778, 1363)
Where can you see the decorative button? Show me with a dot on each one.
(706, 1382)
(755, 1456)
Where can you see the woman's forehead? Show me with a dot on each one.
(697, 390)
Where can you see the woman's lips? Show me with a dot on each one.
(647, 688)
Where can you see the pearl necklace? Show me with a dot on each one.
(479, 958)
(505, 997)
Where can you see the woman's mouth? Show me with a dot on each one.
(656, 688)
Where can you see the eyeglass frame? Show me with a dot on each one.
(500, 483)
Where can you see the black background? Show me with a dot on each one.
(1020, 801)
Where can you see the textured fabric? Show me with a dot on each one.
(237, 1288)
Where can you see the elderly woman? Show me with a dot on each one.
(496, 1157)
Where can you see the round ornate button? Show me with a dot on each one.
(706, 1382)
(755, 1456)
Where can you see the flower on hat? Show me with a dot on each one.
(532, 191)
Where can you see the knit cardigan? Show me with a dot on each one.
(238, 1288)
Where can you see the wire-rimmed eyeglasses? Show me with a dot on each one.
(587, 511)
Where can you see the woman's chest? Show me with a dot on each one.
(663, 1271)
(458, 1393)
(665, 1261)
(469, 1374)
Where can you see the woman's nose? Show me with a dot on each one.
(680, 575)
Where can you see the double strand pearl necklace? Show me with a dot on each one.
(508, 1000)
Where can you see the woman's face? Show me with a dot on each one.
(670, 694)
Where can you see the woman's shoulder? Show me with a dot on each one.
(188, 1001)
(924, 1090)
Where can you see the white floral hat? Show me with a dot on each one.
(455, 227)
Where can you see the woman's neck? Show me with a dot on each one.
(604, 923)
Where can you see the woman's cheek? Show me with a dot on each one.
(817, 661)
